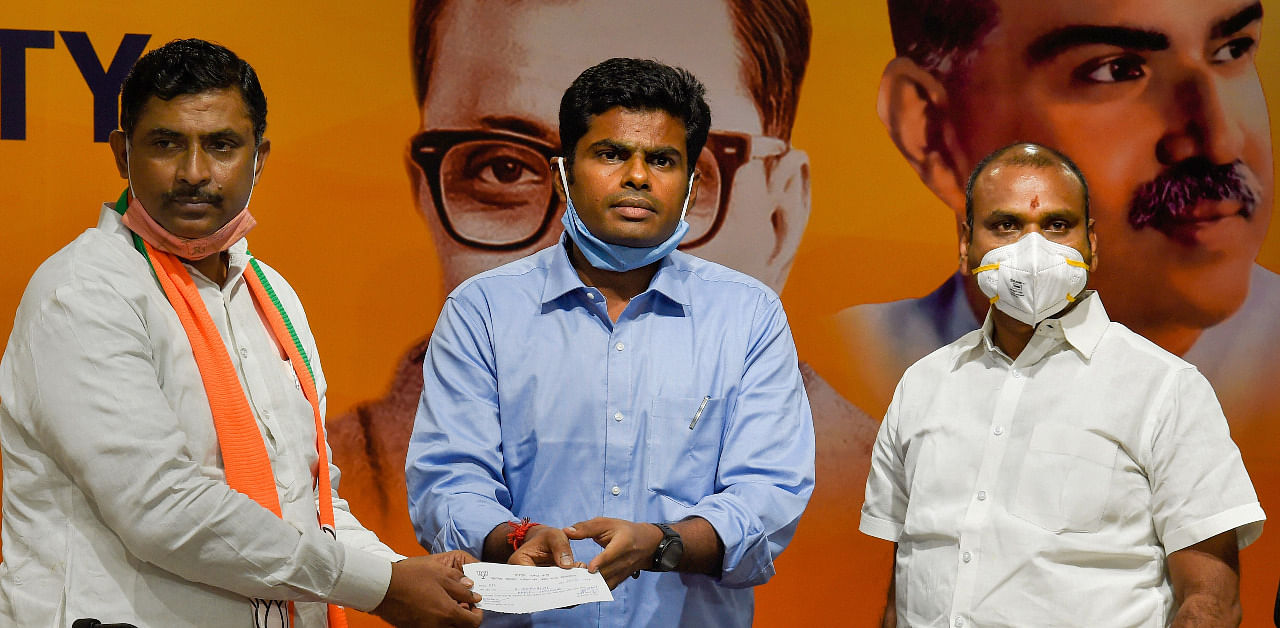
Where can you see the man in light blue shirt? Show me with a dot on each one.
(647, 400)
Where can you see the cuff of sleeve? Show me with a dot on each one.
(466, 527)
(363, 581)
(880, 528)
(747, 559)
(1246, 520)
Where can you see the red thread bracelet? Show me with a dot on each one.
(516, 536)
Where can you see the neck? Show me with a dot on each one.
(618, 288)
(1010, 334)
(213, 267)
(1171, 336)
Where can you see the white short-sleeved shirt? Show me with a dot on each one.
(116, 504)
(1047, 490)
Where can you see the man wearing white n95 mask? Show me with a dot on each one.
(1054, 468)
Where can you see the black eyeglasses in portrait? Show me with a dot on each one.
(494, 190)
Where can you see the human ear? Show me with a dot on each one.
(1093, 248)
(789, 197)
(119, 148)
(558, 184)
(912, 105)
(965, 235)
(260, 158)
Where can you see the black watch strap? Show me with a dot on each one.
(670, 549)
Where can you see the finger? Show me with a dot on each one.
(585, 529)
(460, 590)
(560, 550)
(521, 557)
(467, 617)
(449, 559)
(605, 558)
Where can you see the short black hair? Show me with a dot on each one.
(773, 46)
(636, 84)
(937, 34)
(190, 66)
(1027, 154)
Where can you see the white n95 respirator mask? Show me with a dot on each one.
(1033, 278)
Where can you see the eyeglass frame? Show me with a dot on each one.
(732, 150)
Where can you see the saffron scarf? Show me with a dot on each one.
(244, 454)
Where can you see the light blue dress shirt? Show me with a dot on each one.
(535, 404)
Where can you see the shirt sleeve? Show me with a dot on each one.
(91, 398)
(766, 468)
(884, 508)
(366, 573)
(453, 470)
(1198, 481)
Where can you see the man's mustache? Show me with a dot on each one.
(1172, 197)
(193, 195)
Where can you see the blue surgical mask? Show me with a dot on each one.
(616, 257)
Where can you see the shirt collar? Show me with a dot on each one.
(562, 277)
(238, 255)
(1085, 324)
(1082, 327)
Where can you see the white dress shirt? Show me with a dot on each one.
(1048, 490)
(116, 504)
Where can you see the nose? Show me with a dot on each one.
(635, 173)
(194, 168)
(1203, 121)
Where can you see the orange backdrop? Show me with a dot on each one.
(337, 218)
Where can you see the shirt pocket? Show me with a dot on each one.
(681, 461)
(1066, 479)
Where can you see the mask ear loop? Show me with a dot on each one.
(254, 183)
(128, 166)
(687, 193)
(563, 179)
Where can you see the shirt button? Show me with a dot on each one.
(1016, 373)
(591, 295)
(617, 416)
(966, 557)
(619, 346)
(244, 352)
(998, 431)
(959, 622)
(616, 491)
(982, 496)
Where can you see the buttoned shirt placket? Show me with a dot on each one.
(621, 435)
(977, 516)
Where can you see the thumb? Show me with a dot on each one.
(584, 529)
(560, 551)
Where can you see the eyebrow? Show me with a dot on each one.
(1060, 40)
(668, 151)
(522, 126)
(1241, 19)
(1001, 213)
(223, 134)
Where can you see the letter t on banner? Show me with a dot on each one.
(13, 78)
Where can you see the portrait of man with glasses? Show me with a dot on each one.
(481, 174)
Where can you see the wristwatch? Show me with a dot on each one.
(669, 551)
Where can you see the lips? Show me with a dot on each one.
(633, 207)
